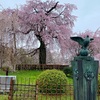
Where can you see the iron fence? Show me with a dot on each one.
(39, 66)
(30, 91)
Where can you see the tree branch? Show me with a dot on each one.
(28, 31)
(58, 15)
(33, 52)
(47, 12)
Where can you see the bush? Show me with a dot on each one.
(5, 68)
(68, 71)
(52, 81)
(99, 84)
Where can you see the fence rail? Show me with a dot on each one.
(22, 92)
(38, 67)
(29, 91)
(33, 92)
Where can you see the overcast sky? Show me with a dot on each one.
(88, 12)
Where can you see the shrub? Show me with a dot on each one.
(68, 71)
(99, 84)
(5, 68)
(52, 81)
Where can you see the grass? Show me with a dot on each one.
(26, 76)
(23, 75)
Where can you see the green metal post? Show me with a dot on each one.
(85, 77)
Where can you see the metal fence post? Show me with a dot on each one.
(10, 97)
(36, 91)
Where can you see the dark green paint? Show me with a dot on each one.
(85, 72)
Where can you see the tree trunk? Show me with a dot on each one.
(42, 53)
(0, 63)
(1, 54)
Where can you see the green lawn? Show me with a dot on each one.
(26, 77)
(23, 75)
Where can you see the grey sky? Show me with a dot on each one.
(88, 12)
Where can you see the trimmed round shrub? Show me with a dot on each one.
(68, 71)
(52, 81)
